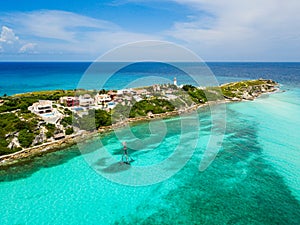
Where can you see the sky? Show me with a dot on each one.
(216, 30)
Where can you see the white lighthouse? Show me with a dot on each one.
(175, 81)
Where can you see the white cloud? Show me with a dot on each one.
(60, 25)
(9, 42)
(8, 36)
(28, 48)
(61, 32)
(232, 29)
(215, 29)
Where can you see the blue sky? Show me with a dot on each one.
(216, 30)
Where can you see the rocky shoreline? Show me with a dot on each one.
(243, 94)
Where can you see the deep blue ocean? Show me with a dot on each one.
(255, 178)
(19, 77)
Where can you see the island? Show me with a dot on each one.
(36, 123)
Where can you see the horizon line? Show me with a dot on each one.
(89, 61)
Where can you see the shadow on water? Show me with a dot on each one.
(102, 165)
(102, 162)
(28, 166)
(239, 187)
(115, 168)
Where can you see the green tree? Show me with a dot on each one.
(102, 91)
(196, 94)
(120, 111)
(67, 121)
(3, 142)
(25, 138)
(87, 122)
(51, 128)
(102, 118)
(5, 150)
(69, 131)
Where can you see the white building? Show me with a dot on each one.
(86, 100)
(42, 106)
(175, 81)
(120, 92)
(102, 98)
(141, 92)
(156, 87)
(137, 98)
(44, 109)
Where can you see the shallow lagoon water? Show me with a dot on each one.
(253, 180)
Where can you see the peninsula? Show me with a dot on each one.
(39, 122)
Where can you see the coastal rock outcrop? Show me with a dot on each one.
(14, 143)
(248, 90)
(40, 138)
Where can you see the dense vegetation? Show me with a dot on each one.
(94, 120)
(154, 106)
(23, 101)
(121, 112)
(196, 94)
(69, 130)
(11, 124)
(25, 138)
(67, 120)
(142, 108)
(50, 130)
(8, 124)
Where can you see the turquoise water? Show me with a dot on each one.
(253, 180)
